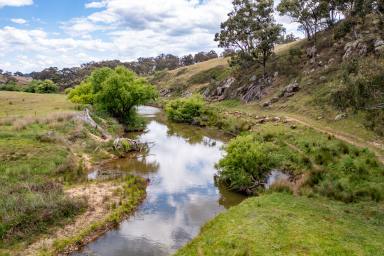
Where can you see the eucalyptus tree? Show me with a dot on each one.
(251, 30)
(309, 14)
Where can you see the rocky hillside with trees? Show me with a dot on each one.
(334, 73)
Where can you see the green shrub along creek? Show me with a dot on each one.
(332, 168)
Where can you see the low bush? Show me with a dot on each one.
(185, 110)
(362, 91)
(195, 111)
(342, 29)
(10, 87)
(247, 163)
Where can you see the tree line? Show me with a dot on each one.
(69, 77)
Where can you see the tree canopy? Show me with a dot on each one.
(117, 91)
(250, 29)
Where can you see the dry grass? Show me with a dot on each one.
(281, 48)
(183, 74)
(21, 123)
(20, 104)
(20, 109)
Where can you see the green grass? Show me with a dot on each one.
(34, 166)
(281, 224)
(335, 169)
(41, 149)
(218, 73)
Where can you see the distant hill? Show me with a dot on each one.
(19, 80)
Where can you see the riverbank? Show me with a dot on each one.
(282, 224)
(331, 174)
(47, 149)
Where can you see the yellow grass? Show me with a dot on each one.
(198, 67)
(19, 104)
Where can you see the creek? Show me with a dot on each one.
(181, 195)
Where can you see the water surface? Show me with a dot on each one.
(181, 195)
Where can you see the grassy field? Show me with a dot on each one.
(22, 104)
(45, 149)
(281, 224)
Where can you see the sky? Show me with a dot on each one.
(36, 34)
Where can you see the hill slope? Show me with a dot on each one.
(335, 86)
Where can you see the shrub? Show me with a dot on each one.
(362, 91)
(343, 29)
(185, 110)
(38, 86)
(247, 163)
(10, 87)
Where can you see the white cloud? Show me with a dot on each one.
(95, 5)
(120, 29)
(81, 27)
(150, 27)
(15, 3)
(19, 21)
(29, 50)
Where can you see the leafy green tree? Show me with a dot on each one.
(309, 14)
(117, 91)
(252, 30)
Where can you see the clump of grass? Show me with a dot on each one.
(22, 123)
(282, 186)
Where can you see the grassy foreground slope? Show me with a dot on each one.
(46, 202)
(282, 224)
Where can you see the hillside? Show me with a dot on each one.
(19, 80)
(312, 85)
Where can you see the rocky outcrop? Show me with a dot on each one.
(222, 90)
(288, 91)
(379, 46)
(340, 117)
(254, 89)
(311, 52)
(356, 48)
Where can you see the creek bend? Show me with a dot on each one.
(181, 195)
